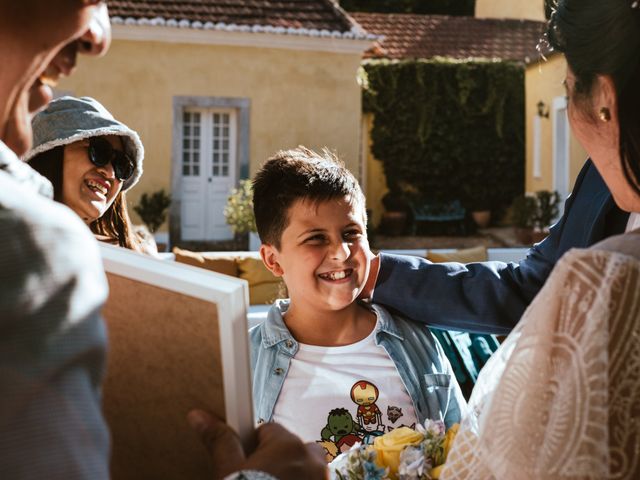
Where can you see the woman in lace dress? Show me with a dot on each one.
(561, 397)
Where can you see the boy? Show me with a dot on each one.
(330, 368)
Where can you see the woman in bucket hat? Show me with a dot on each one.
(92, 160)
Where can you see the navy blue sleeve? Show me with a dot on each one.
(488, 297)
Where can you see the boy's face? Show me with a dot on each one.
(324, 254)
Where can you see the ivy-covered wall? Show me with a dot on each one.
(449, 129)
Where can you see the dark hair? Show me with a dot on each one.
(114, 224)
(603, 38)
(298, 174)
(49, 165)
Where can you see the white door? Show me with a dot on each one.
(560, 149)
(209, 172)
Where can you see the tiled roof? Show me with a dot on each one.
(426, 36)
(298, 17)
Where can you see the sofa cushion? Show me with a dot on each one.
(264, 287)
(466, 255)
(224, 265)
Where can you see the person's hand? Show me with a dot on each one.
(278, 452)
(374, 268)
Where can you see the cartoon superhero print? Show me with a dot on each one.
(346, 442)
(394, 413)
(340, 423)
(412, 426)
(365, 394)
(330, 449)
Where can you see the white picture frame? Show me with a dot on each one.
(195, 290)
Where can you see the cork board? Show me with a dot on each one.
(164, 359)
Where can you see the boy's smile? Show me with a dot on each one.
(323, 255)
(337, 275)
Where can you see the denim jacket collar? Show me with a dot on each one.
(275, 331)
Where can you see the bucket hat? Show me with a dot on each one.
(69, 119)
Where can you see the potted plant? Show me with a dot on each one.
(547, 210)
(238, 213)
(394, 219)
(523, 214)
(479, 191)
(152, 210)
(481, 217)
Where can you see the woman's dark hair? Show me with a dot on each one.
(49, 165)
(601, 37)
(114, 224)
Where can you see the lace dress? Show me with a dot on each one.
(560, 399)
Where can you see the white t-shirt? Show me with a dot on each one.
(316, 399)
(634, 221)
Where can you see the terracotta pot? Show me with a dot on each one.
(393, 223)
(482, 218)
(539, 235)
(524, 236)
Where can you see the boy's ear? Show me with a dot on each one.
(269, 256)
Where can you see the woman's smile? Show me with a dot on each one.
(98, 187)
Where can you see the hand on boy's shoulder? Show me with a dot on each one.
(367, 291)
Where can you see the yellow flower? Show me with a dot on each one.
(436, 472)
(449, 438)
(389, 446)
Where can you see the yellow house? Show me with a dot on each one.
(215, 90)
(553, 156)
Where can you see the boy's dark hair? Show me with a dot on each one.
(298, 174)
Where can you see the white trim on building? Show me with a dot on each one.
(184, 31)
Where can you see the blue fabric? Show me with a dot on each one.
(467, 353)
(490, 297)
(418, 357)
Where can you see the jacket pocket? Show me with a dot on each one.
(437, 394)
(437, 380)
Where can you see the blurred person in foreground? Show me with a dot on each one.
(53, 342)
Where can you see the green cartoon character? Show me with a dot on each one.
(340, 423)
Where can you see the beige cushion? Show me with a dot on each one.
(224, 265)
(264, 287)
(466, 255)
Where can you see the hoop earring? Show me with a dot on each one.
(605, 114)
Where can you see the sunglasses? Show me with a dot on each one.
(101, 153)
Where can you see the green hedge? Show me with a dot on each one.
(449, 129)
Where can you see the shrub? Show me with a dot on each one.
(152, 209)
(523, 211)
(547, 208)
(239, 209)
(452, 129)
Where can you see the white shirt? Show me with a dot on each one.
(634, 221)
(316, 399)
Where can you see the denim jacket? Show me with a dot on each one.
(418, 357)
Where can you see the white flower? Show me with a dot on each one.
(412, 463)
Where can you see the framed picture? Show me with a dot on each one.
(177, 341)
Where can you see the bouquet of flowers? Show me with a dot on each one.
(402, 454)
